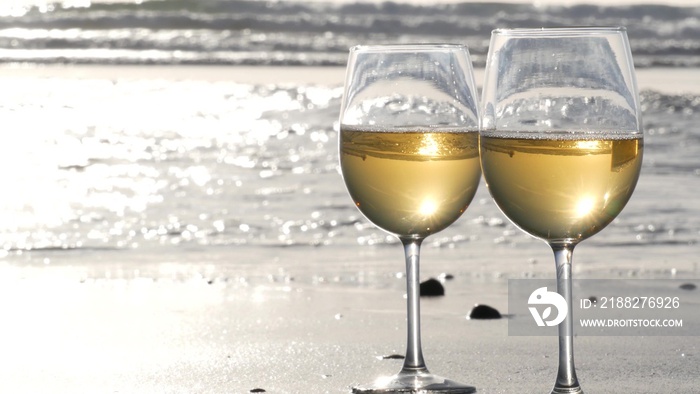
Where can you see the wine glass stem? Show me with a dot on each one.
(566, 375)
(414, 354)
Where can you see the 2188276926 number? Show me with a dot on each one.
(638, 302)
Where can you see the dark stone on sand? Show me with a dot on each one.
(687, 286)
(484, 312)
(432, 287)
(258, 391)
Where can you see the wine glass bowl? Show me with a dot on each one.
(409, 157)
(561, 142)
(564, 189)
(410, 183)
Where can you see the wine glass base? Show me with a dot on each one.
(419, 383)
(567, 390)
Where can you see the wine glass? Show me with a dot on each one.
(561, 142)
(409, 156)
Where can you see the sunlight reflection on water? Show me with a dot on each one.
(100, 163)
(127, 163)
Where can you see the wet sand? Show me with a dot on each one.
(187, 322)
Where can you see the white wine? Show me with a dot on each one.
(410, 183)
(561, 190)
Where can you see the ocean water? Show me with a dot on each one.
(310, 33)
(122, 164)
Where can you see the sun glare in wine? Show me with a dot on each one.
(584, 206)
(429, 147)
(427, 207)
(588, 144)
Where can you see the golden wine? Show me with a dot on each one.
(410, 183)
(561, 190)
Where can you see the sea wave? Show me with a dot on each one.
(312, 33)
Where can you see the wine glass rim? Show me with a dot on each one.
(559, 31)
(407, 47)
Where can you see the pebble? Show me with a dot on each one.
(258, 391)
(445, 276)
(432, 287)
(483, 312)
(687, 286)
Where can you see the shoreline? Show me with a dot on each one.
(664, 79)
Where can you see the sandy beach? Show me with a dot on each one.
(191, 323)
(304, 319)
